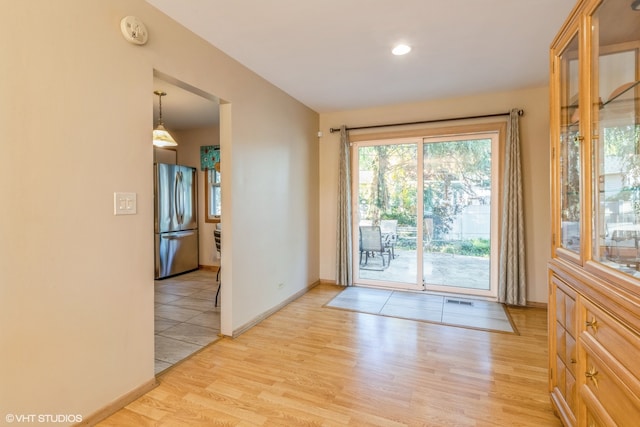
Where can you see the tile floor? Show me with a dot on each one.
(450, 310)
(185, 317)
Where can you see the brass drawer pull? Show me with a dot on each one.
(592, 374)
(593, 324)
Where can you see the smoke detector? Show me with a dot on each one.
(134, 30)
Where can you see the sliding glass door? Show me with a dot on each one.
(460, 217)
(385, 210)
(424, 213)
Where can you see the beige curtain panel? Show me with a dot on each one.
(512, 288)
(344, 268)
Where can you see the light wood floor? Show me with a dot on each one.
(310, 365)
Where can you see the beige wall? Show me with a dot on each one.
(534, 126)
(76, 282)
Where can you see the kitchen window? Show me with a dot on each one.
(212, 197)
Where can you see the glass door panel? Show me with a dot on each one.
(385, 230)
(457, 203)
(570, 142)
(423, 214)
(616, 137)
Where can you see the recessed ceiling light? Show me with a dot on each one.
(401, 49)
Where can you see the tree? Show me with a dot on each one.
(455, 173)
(387, 182)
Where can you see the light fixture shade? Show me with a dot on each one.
(162, 138)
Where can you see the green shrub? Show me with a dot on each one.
(473, 247)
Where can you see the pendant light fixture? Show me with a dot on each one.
(162, 138)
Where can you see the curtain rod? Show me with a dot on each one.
(520, 113)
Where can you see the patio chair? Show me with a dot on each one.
(624, 248)
(371, 242)
(389, 230)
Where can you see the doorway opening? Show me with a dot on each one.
(187, 310)
(425, 211)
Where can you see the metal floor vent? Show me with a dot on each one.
(461, 302)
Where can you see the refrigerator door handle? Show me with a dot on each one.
(176, 203)
(181, 198)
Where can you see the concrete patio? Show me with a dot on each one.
(439, 269)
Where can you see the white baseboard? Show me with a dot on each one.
(237, 332)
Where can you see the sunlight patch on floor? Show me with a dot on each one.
(426, 307)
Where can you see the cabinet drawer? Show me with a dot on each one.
(565, 307)
(566, 349)
(566, 385)
(570, 351)
(619, 341)
(561, 377)
(608, 395)
(560, 309)
(570, 314)
(571, 392)
(595, 421)
(561, 342)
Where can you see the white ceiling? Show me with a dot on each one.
(334, 55)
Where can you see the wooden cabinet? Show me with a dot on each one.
(594, 342)
(564, 392)
(594, 271)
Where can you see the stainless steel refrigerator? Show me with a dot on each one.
(176, 222)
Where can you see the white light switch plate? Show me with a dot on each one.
(124, 203)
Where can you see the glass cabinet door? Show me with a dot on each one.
(615, 132)
(570, 149)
